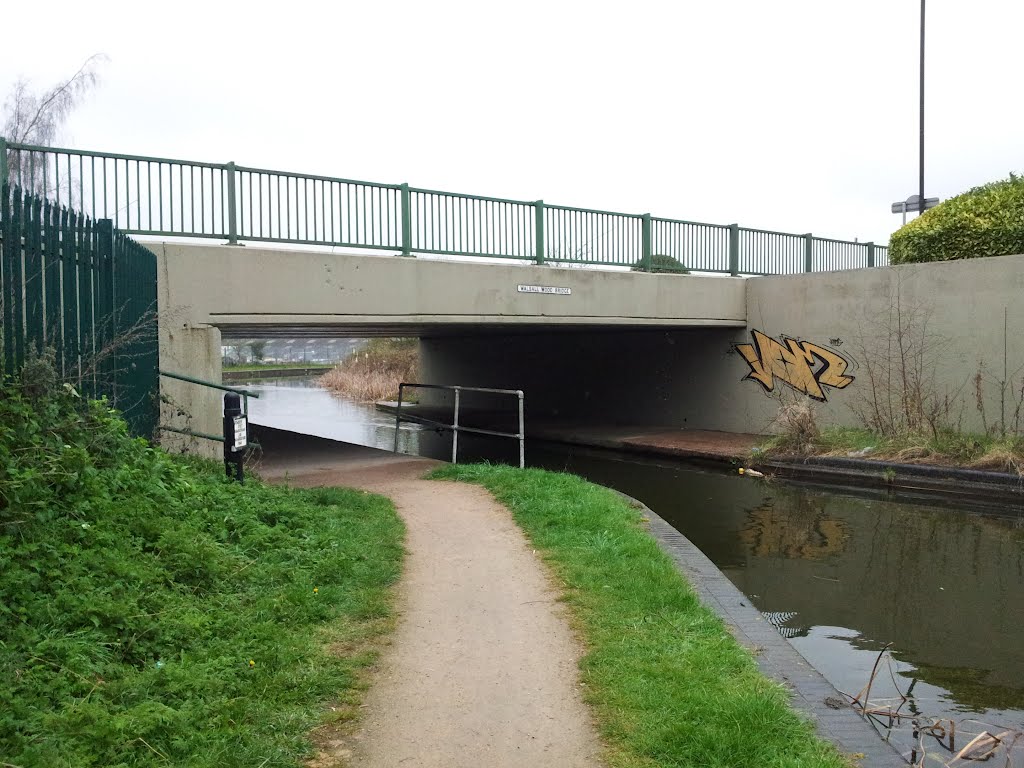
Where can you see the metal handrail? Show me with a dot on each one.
(455, 426)
(245, 393)
(158, 196)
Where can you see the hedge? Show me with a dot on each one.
(984, 221)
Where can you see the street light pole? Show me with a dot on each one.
(920, 185)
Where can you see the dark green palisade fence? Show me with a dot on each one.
(85, 291)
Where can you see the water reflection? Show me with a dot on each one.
(846, 575)
(802, 530)
(300, 405)
(843, 575)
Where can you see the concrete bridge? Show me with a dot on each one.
(619, 347)
(815, 319)
(209, 294)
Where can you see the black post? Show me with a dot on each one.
(920, 179)
(236, 436)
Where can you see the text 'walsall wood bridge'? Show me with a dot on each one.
(184, 198)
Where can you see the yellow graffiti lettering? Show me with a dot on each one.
(804, 366)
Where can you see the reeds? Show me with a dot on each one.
(375, 371)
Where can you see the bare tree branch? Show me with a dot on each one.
(37, 118)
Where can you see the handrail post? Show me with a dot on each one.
(455, 430)
(232, 214)
(808, 252)
(4, 169)
(398, 414)
(538, 208)
(734, 249)
(871, 254)
(645, 242)
(522, 432)
(406, 221)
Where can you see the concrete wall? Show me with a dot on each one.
(233, 287)
(955, 310)
(191, 348)
(697, 378)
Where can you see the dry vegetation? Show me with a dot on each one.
(375, 371)
(907, 415)
(940, 742)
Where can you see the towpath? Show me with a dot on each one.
(482, 668)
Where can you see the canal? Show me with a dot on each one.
(841, 573)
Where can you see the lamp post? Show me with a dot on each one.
(918, 202)
(920, 178)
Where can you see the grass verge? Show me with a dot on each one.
(668, 684)
(154, 614)
(947, 447)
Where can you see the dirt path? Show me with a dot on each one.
(482, 670)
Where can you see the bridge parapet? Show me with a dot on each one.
(167, 197)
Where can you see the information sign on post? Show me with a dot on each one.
(236, 436)
(241, 433)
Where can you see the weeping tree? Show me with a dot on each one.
(37, 117)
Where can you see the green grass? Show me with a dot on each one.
(154, 614)
(668, 684)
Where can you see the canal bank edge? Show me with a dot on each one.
(953, 483)
(734, 449)
(254, 374)
(775, 656)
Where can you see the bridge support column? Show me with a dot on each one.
(192, 351)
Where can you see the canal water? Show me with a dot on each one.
(842, 574)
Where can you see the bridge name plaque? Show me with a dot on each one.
(553, 289)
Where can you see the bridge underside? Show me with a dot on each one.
(272, 328)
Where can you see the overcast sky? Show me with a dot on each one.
(794, 115)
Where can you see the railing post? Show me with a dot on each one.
(734, 249)
(645, 242)
(871, 254)
(232, 213)
(522, 432)
(104, 301)
(538, 208)
(455, 429)
(808, 252)
(4, 170)
(406, 221)
(398, 413)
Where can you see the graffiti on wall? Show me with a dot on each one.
(808, 368)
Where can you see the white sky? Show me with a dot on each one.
(795, 115)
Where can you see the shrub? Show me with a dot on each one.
(984, 221)
(154, 613)
(797, 428)
(661, 262)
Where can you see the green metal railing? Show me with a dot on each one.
(185, 198)
(86, 291)
(245, 393)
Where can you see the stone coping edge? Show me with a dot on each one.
(987, 477)
(944, 482)
(775, 656)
